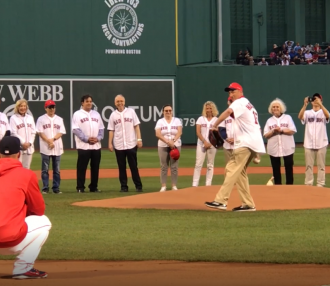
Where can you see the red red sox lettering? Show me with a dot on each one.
(126, 119)
(22, 125)
(312, 119)
(284, 125)
(86, 119)
(228, 121)
(45, 126)
(2, 122)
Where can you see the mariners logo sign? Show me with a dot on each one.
(122, 28)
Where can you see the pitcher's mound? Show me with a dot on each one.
(265, 198)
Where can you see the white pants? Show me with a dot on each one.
(26, 160)
(28, 250)
(310, 155)
(200, 157)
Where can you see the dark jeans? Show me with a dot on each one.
(45, 159)
(121, 156)
(276, 165)
(83, 159)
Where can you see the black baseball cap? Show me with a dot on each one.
(10, 145)
(317, 95)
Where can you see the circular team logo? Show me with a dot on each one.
(122, 21)
(122, 27)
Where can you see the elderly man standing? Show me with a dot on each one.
(4, 126)
(23, 226)
(124, 139)
(88, 128)
(247, 143)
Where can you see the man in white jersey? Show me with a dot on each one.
(4, 126)
(88, 128)
(124, 139)
(316, 138)
(247, 142)
(50, 128)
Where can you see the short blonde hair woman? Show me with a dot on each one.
(279, 130)
(23, 127)
(204, 147)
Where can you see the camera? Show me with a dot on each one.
(310, 99)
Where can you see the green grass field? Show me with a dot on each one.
(79, 233)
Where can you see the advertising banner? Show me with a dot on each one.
(145, 96)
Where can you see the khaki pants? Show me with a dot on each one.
(236, 173)
(310, 155)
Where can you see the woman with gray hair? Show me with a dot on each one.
(204, 147)
(23, 127)
(279, 131)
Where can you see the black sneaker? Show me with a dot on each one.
(139, 190)
(80, 191)
(244, 209)
(216, 205)
(95, 191)
(57, 192)
(45, 191)
(123, 190)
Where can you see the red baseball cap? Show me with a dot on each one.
(49, 103)
(234, 86)
(175, 154)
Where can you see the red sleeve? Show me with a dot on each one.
(34, 200)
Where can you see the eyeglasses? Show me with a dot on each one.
(167, 110)
(51, 107)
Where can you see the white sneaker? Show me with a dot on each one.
(163, 189)
(256, 160)
(174, 188)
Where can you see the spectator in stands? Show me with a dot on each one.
(310, 48)
(315, 58)
(278, 60)
(285, 61)
(297, 48)
(275, 49)
(303, 49)
(289, 45)
(308, 57)
(299, 58)
(283, 49)
(251, 61)
(292, 54)
(240, 58)
(322, 57)
(327, 51)
(273, 57)
(317, 48)
(263, 62)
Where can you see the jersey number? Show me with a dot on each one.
(255, 114)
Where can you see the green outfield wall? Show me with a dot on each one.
(262, 84)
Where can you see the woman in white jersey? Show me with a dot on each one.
(204, 147)
(168, 131)
(23, 127)
(279, 130)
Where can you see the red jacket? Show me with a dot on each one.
(19, 197)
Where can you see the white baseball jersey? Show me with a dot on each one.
(24, 128)
(228, 123)
(280, 145)
(169, 130)
(123, 123)
(205, 127)
(50, 126)
(247, 131)
(316, 136)
(4, 125)
(90, 124)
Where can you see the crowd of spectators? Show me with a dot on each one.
(288, 54)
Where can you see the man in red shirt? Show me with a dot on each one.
(23, 226)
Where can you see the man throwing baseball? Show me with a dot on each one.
(247, 142)
(23, 226)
